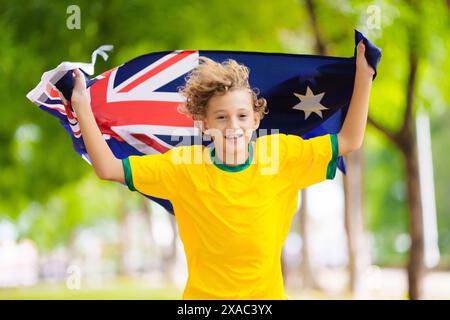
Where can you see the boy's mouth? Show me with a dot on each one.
(234, 137)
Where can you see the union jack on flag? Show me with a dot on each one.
(136, 104)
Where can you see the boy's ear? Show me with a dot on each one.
(205, 125)
(202, 124)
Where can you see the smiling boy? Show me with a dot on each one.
(234, 208)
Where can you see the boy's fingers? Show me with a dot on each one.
(361, 46)
(78, 79)
(360, 50)
(77, 73)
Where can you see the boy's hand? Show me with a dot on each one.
(362, 67)
(79, 93)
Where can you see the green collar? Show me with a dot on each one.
(237, 168)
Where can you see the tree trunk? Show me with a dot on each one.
(149, 241)
(309, 278)
(170, 257)
(124, 265)
(406, 141)
(358, 254)
(416, 264)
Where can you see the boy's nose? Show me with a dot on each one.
(234, 123)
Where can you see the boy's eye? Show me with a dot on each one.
(220, 117)
(243, 115)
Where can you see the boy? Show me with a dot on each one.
(233, 207)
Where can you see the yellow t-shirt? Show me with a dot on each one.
(233, 221)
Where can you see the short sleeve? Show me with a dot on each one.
(313, 160)
(153, 175)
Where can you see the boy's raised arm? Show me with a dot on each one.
(351, 136)
(105, 164)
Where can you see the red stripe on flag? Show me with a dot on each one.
(150, 142)
(162, 113)
(156, 70)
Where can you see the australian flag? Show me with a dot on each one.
(136, 105)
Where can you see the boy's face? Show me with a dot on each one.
(231, 120)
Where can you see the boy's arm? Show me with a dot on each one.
(105, 164)
(351, 136)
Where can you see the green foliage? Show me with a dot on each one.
(79, 204)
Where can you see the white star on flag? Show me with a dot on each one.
(310, 103)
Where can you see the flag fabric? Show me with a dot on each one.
(136, 105)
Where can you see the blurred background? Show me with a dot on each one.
(383, 231)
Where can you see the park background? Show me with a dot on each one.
(383, 231)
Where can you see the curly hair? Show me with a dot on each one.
(211, 78)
